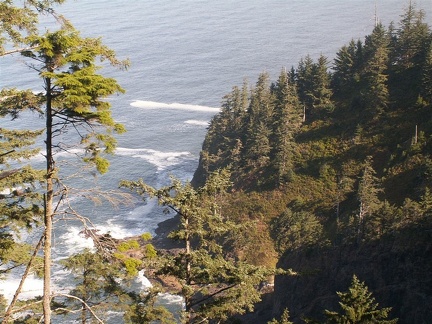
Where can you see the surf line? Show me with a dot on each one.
(175, 105)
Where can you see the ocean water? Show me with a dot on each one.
(186, 55)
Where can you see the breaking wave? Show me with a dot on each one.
(178, 106)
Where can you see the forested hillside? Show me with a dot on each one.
(332, 163)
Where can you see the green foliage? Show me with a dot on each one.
(358, 306)
(128, 245)
(283, 320)
(66, 61)
(150, 251)
(132, 265)
(345, 162)
(340, 155)
(3, 304)
(297, 230)
(214, 285)
(74, 98)
(95, 284)
(103, 283)
(146, 236)
(144, 310)
(18, 20)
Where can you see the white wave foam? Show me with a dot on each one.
(117, 231)
(161, 105)
(32, 287)
(75, 241)
(161, 160)
(142, 280)
(197, 122)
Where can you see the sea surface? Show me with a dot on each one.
(186, 55)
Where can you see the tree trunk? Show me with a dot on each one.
(49, 207)
(188, 270)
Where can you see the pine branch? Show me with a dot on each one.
(8, 173)
(17, 50)
(212, 295)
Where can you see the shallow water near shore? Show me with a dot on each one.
(186, 55)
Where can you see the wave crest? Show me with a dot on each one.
(197, 122)
(175, 105)
(160, 159)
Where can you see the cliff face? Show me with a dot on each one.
(397, 270)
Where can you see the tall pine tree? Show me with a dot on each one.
(74, 98)
(286, 121)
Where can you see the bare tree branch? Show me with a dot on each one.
(9, 311)
(84, 303)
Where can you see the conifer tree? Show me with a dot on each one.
(376, 52)
(17, 20)
(367, 195)
(258, 124)
(294, 230)
(358, 306)
(347, 70)
(283, 320)
(322, 90)
(223, 140)
(19, 203)
(286, 120)
(426, 89)
(103, 284)
(20, 206)
(95, 285)
(73, 99)
(412, 41)
(313, 82)
(305, 82)
(215, 286)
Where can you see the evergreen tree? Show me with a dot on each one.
(104, 282)
(358, 306)
(145, 310)
(17, 20)
(223, 141)
(96, 289)
(313, 82)
(367, 194)
(426, 88)
(258, 125)
(74, 99)
(19, 202)
(305, 82)
(286, 121)
(296, 230)
(283, 320)
(376, 52)
(412, 43)
(347, 70)
(215, 286)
